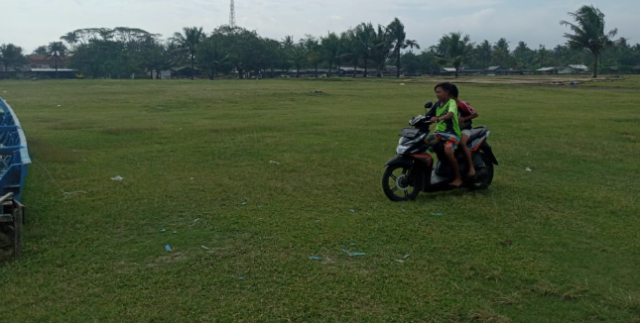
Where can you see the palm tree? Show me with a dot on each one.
(156, 56)
(287, 50)
(349, 50)
(41, 50)
(541, 56)
(588, 32)
(288, 42)
(313, 50)
(331, 50)
(399, 36)
(298, 57)
(71, 38)
(381, 49)
(455, 48)
(56, 50)
(502, 53)
(189, 41)
(364, 37)
(522, 55)
(211, 57)
(483, 54)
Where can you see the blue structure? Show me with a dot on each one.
(14, 156)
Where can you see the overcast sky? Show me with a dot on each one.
(29, 23)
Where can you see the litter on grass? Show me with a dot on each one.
(353, 254)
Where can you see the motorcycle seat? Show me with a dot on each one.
(477, 132)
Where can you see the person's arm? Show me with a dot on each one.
(471, 117)
(432, 112)
(453, 111)
(470, 111)
(447, 116)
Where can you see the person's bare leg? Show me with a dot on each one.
(457, 181)
(467, 154)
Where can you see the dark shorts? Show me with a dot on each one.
(450, 140)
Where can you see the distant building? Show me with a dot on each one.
(164, 75)
(573, 69)
(43, 61)
(547, 70)
(348, 71)
(63, 73)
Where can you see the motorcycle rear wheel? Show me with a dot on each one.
(485, 174)
(399, 185)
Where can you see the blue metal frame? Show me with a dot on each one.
(14, 155)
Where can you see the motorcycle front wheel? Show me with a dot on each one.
(399, 184)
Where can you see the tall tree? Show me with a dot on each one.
(211, 57)
(11, 56)
(364, 35)
(542, 56)
(350, 49)
(56, 51)
(523, 55)
(589, 33)
(156, 57)
(331, 50)
(272, 54)
(381, 49)
(501, 53)
(72, 38)
(287, 49)
(298, 57)
(455, 48)
(41, 50)
(189, 41)
(312, 49)
(400, 41)
(483, 54)
(247, 50)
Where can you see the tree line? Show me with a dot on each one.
(122, 51)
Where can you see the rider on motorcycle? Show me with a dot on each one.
(466, 114)
(447, 128)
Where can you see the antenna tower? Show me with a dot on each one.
(232, 15)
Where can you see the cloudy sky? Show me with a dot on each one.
(29, 23)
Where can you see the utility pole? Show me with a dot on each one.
(232, 15)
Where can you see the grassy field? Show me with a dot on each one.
(246, 180)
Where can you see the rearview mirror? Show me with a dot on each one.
(428, 105)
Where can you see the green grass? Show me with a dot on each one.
(558, 244)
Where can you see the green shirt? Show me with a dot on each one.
(450, 126)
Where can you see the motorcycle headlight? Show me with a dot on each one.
(401, 149)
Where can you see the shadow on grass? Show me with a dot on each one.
(132, 130)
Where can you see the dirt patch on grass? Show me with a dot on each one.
(560, 80)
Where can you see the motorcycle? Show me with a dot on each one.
(415, 170)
